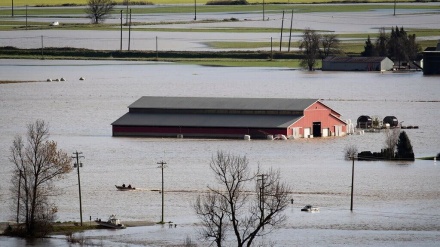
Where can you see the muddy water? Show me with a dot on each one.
(396, 204)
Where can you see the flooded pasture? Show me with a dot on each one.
(395, 203)
(145, 37)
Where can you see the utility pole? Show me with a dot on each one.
(162, 166)
(18, 198)
(263, 11)
(129, 32)
(157, 51)
(262, 191)
(121, 31)
(271, 49)
(282, 27)
(126, 14)
(77, 165)
(394, 7)
(195, 10)
(290, 33)
(352, 183)
(13, 14)
(42, 47)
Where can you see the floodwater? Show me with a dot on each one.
(395, 203)
(334, 22)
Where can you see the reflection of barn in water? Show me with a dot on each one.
(391, 120)
(364, 122)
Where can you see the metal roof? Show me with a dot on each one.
(354, 59)
(206, 120)
(279, 104)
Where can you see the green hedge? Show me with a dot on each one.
(87, 53)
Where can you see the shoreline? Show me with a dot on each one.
(74, 226)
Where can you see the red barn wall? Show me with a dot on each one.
(318, 112)
(255, 133)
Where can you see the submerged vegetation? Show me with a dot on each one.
(398, 147)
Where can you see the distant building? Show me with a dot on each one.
(431, 60)
(200, 117)
(357, 64)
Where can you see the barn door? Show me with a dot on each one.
(316, 129)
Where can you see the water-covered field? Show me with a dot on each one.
(395, 203)
(152, 37)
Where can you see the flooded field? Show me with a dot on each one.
(334, 22)
(395, 203)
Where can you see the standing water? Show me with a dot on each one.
(395, 203)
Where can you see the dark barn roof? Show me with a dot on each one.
(253, 104)
(214, 112)
(207, 120)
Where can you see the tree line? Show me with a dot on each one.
(316, 46)
(398, 45)
(397, 147)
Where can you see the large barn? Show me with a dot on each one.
(205, 117)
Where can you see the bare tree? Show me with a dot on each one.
(310, 48)
(330, 45)
(38, 162)
(211, 209)
(391, 139)
(233, 207)
(99, 10)
(350, 152)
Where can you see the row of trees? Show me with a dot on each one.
(397, 147)
(398, 45)
(315, 46)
